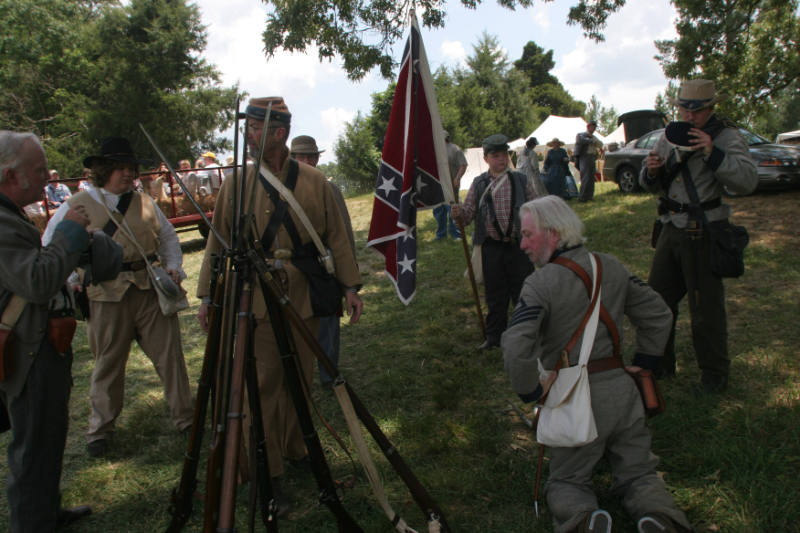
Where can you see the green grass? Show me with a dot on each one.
(731, 461)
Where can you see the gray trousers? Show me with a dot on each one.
(624, 440)
(588, 169)
(39, 418)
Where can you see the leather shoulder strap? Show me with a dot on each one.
(605, 316)
(281, 206)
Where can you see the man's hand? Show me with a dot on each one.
(653, 163)
(78, 215)
(701, 141)
(353, 305)
(202, 316)
(455, 211)
(174, 274)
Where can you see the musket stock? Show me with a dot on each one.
(182, 496)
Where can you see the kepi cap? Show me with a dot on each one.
(495, 143)
(257, 109)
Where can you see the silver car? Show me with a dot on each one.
(778, 164)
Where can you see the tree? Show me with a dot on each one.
(606, 118)
(486, 97)
(75, 71)
(342, 27)
(748, 47)
(357, 158)
(547, 94)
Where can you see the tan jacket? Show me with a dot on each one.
(318, 201)
(141, 219)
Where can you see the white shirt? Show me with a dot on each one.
(169, 249)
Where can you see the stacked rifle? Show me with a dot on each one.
(229, 367)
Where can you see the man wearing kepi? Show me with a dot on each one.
(551, 307)
(717, 156)
(284, 437)
(37, 359)
(587, 147)
(493, 200)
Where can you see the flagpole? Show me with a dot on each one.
(471, 272)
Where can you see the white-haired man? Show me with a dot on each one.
(552, 304)
(37, 373)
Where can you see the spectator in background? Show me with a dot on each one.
(55, 192)
(457, 164)
(587, 149)
(528, 163)
(85, 183)
(212, 171)
(304, 149)
(556, 168)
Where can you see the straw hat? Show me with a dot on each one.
(697, 94)
(555, 142)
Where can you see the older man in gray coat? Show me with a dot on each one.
(37, 359)
(551, 306)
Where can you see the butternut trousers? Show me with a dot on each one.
(112, 327)
(282, 428)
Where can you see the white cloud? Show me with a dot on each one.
(453, 51)
(332, 121)
(621, 71)
(541, 15)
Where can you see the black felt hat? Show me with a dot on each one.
(677, 133)
(116, 149)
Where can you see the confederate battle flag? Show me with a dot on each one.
(413, 161)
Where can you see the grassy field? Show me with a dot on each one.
(732, 461)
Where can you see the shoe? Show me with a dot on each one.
(488, 345)
(68, 516)
(599, 522)
(304, 463)
(282, 504)
(651, 524)
(713, 384)
(97, 448)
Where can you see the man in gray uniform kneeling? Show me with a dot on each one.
(551, 306)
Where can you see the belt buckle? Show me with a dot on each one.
(694, 229)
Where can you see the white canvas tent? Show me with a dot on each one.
(789, 137)
(565, 128)
(616, 136)
(475, 167)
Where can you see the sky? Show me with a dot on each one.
(621, 71)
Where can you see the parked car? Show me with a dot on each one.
(778, 164)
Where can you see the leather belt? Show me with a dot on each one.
(138, 265)
(668, 204)
(601, 365)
